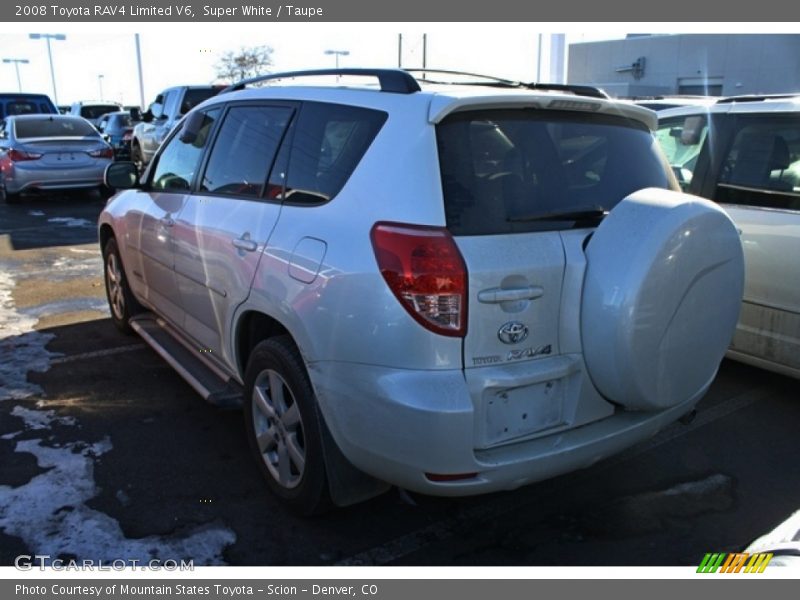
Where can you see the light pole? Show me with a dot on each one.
(337, 54)
(47, 37)
(100, 84)
(17, 62)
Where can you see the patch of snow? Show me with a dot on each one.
(49, 514)
(63, 268)
(71, 222)
(21, 348)
(40, 419)
(785, 536)
(35, 213)
(10, 436)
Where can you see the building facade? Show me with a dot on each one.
(706, 64)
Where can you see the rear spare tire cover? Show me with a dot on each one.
(662, 292)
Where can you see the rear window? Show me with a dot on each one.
(94, 111)
(49, 127)
(194, 97)
(120, 121)
(503, 170)
(24, 107)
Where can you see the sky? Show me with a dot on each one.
(180, 54)
(186, 54)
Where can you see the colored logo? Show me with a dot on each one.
(735, 563)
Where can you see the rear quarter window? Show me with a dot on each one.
(501, 169)
(328, 143)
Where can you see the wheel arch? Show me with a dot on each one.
(347, 484)
(105, 234)
(252, 327)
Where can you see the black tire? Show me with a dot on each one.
(283, 429)
(105, 192)
(121, 302)
(6, 196)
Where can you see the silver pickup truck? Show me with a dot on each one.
(161, 116)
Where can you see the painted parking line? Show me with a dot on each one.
(500, 505)
(97, 354)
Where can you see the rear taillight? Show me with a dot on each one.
(15, 155)
(424, 269)
(102, 153)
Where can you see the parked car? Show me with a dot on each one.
(117, 129)
(25, 104)
(161, 116)
(50, 152)
(744, 153)
(455, 289)
(92, 111)
(659, 103)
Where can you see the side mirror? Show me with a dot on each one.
(121, 176)
(191, 127)
(136, 114)
(692, 131)
(147, 116)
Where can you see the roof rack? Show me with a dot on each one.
(401, 81)
(755, 98)
(391, 80)
(578, 90)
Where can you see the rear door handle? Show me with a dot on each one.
(245, 243)
(497, 295)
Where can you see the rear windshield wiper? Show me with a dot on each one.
(575, 214)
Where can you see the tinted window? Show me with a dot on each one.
(22, 107)
(118, 121)
(328, 143)
(50, 127)
(93, 111)
(503, 170)
(681, 140)
(194, 97)
(179, 160)
(244, 150)
(762, 166)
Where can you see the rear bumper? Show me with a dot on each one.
(399, 425)
(29, 179)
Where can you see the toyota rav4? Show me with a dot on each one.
(454, 288)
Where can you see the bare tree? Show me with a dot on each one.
(247, 62)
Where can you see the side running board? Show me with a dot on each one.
(213, 385)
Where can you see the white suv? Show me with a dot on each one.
(453, 288)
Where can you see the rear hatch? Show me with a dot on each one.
(523, 190)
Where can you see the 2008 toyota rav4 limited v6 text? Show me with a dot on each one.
(454, 287)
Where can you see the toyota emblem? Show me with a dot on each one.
(513, 332)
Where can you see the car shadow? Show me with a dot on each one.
(47, 220)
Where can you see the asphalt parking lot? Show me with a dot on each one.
(106, 453)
